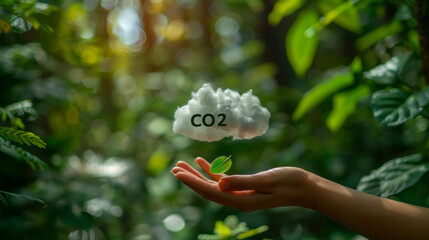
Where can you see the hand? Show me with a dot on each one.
(277, 187)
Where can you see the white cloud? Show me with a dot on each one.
(221, 113)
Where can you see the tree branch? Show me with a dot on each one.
(422, 15)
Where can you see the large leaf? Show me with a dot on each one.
(394, 176)
(378, 34)
(388, 72)
(344, 105)
(394, 106)
(320, 92)
(282, 8)
(300, 46)
(345, 14)
(220, 165)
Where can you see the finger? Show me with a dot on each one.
(258, 182)
(247, 199)
(190, 169)
(206, 167)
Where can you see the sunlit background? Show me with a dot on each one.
(106, 77)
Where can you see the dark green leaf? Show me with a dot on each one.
(394, 176)
(20, 196)
(301, 47)
(388, 72)
(394, 106)
(19, 153)
(320, 92)
(220, 165)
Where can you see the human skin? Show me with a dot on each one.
(368, 215)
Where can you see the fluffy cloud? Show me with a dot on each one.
(212, 115)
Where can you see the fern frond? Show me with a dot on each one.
(19, 153)
(22, 137)
(4, 194)
(14, 110)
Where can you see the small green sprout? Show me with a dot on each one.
(220, 165)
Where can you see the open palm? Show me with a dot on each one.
(272, 188)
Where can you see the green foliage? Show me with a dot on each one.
(22, 137)
(394, 176)
(320, 92)
(232, 229)
(389, 72)
(4, 195)
(21, 16)
(344, 105)
(220, 165)
(300, 44)
(18, 109)
(378, 34)
(19, 153)
(393, 107)
(345, 14)
(283, 8)
(13, 113)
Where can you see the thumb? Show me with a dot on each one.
(242, 182)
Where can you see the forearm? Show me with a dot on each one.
(368, 215)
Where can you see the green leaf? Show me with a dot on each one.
(300, 47)
(378, 34)
(253, 232)
(345, 14)
(344, 105)
(231, 221)
(394, 176)
(388, 72)
(20, 196)
(394, 106)
(209, 237)
(3, 199)
(222, 229)
(320, 92)
(22, 137)
(220, 165)
(19, 153)
(283, 8)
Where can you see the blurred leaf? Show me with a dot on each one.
(388, 72)
(253, 232)
(356, 65)
(283, 8)
(158, 162)
(342, 13)
(222, 229)
(300, 48)
(220, 165)
(19, 196)
(4, 27)
(22, 137)
(231, 221)
(209, 237)
(394, 106)
(344, 105)
(394, 176)
(320, 92)
(378, 34)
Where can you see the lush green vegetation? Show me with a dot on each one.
(88, 91)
